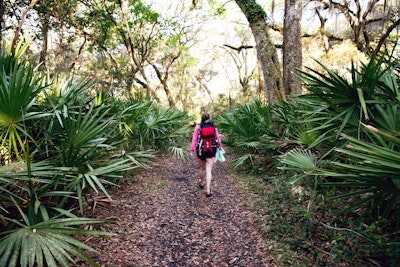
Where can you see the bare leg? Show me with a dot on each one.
(202, 172)
(209, 166)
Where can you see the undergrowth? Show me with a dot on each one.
(303, 228)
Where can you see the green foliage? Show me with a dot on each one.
(345, 104)
(34, 228)
(85, 149)
(337, 150)
(294, 126)
(68, 143)
(243, 129)
(236, 124)
(47, 243)
(9, 59)
(143, 13)
(65, 92)
(77, 137)
(148, 126)
(32, 184)
(259, 133)
(18, 88)
(302, 159)
(124, 36)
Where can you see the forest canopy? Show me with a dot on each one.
(172, 52)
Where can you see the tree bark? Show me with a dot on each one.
(45, 31)
(239, 57)
(266, 51)
(385, 36)
(292, 47)
(164, 82)
(1, 21)
(21, 22)
(135, 64)
(356, 15)
(322, 31)
(164, 75)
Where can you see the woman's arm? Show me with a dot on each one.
(194, 138)
(218, 139)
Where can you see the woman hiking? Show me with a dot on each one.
(205, 142)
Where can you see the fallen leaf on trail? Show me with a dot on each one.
(163, 218)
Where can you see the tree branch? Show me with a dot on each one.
(238, 49)
(16, 35)
(385, 36)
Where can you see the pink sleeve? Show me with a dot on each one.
(194, 138)
(219, 139)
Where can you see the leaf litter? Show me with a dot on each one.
(162, 218)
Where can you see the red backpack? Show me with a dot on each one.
(207, 139)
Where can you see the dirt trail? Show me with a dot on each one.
(164, 219)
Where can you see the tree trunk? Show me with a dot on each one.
(22, 20)
(322, 31)
(385, 36)
(356, 15)
(135, 64)
(1, 21)
(239, 58)
(164, 82)
(45, 32)
(292, 47)
(266, 51)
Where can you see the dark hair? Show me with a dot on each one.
(205, 116)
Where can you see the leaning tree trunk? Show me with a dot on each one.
(1, 21)
(292, 48)
(21, 22)
(266, 51)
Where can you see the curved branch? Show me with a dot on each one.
(385, 36)
(16, 35)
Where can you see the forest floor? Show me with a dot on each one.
(163, 218)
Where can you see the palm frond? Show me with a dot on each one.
(18, 90)
(178, 152)
(297, 159)
(240, 161)
(47, 243)
(367, 168)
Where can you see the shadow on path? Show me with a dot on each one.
(164, 219)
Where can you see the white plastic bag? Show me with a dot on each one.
(219, 156)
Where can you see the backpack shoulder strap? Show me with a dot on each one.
(203, 124)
